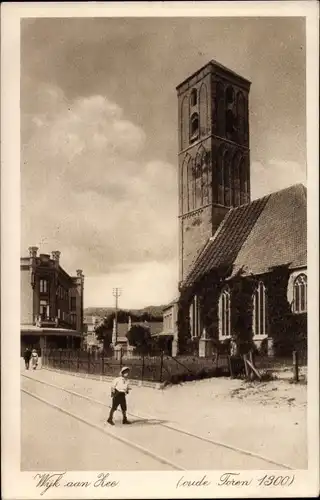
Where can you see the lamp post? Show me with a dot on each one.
(116, 293)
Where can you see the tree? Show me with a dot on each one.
(104, 331)
(139, 336)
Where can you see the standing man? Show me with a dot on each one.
(26, 357)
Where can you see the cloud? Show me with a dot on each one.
(87, 189)
(275, 175)
(141, 285)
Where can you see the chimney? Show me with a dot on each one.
(33, 252)
(56, 256)
(79, 273)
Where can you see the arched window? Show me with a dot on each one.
(259, 311)
(241, 117)
(220, 106)
(230, 114)
(203, 109)
(220, 178)
(236, 181)
(229, 95)
(300, 294)
(243, 182)
(195, 317)
(194, 127)
(205, 177)
(184, 123)
(184, 184)
(227, 179)
(198, 180)
(190, 185)
(193, 97)
(225, 314)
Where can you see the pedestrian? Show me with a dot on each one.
(119, 389)
(35, 359)
(26, 357)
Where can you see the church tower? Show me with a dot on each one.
(214, 163)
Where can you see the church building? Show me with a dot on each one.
(243, 263)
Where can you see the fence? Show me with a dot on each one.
(251, 365)
(162, 367)
(158, 368)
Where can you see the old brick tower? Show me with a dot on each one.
(214, 163)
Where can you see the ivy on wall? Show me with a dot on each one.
(287, 329)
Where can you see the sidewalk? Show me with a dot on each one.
(266, 418)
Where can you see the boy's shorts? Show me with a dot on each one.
(119, 398)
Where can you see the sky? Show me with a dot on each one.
(99, 137)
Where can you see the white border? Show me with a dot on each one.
(17, 484)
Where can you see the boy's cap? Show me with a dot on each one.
(125, 369)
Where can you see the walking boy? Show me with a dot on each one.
(119, 389)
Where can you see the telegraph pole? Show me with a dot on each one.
(116, 293)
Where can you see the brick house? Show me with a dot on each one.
(51, 302)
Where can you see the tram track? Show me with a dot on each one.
(164, 425)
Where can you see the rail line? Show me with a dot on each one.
(162, 424)
(136, 446)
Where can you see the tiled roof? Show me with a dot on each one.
(265, 233)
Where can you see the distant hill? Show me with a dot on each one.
(101, 312)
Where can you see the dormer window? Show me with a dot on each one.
(194, 127)
(193, 97)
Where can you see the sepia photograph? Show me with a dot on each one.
(164, 253)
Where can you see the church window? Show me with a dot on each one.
(220, 105)
(184, 184)
(225, 314)
(243, 183)
(193, 97)
(236, 182)
(229, 95)
(227, 179)
(203, 110)
(220, 178)
(191, 189)
(241, 117)
(230, 115)
(300, 294)
(260, 311)
(184, 121)
(194, 127)
(195, 317)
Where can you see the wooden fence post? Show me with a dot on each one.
(161, 366)
(252, 362)
(88, 362)
(78, 361)
(102, 363)
(245, 357)
(60, 359)
(295, 366)
(142, 371)
(230, 366)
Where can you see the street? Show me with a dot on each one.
(221, 429)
